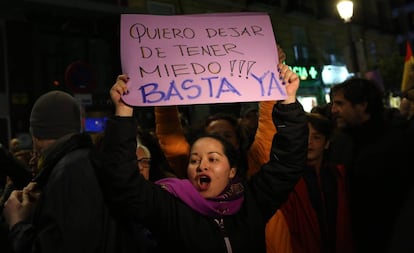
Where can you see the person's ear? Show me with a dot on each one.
(233, 172)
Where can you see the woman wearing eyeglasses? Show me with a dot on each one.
(144, 159)
(151, 161)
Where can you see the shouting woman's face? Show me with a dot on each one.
(209, 169)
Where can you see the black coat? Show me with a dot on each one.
(70, 215)
(179, 228)
(380, 179)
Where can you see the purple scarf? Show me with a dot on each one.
(227, 203)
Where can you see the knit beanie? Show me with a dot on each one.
(54, 115)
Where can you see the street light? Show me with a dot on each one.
(346, 11)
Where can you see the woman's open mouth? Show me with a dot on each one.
(204, 182)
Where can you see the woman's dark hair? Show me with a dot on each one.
(359, 90)
(229, 150)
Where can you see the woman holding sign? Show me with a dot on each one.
(213, 210)
(173, 140)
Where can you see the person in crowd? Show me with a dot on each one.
(16, 175)
(229, 127)
(144, 159)
(315, 218)
(62, 209)
(17, 172)
(406, 108)
(172, 138)
(151, 167)
(340, 145)
(381, 173)
(151, 160)
(14, 165)
(213, 210)
(14, 145)
(401, 235)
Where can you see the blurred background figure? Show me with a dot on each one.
(152, 163)
(62, 208)
(380, 175)
(14, 145)
(315, 218)
(144, 159)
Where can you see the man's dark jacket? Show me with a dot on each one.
(70, 215)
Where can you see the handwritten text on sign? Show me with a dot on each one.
(199, 59)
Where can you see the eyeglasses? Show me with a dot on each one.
(145, 161)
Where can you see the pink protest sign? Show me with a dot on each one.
(199, 59)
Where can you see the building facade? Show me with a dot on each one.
(73, 45)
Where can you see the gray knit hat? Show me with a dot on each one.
(54, 115)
